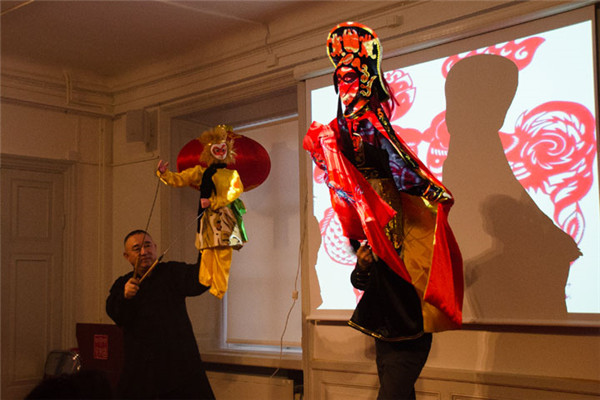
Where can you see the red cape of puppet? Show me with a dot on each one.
(363, 215)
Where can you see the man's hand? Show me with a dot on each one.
(365, 258)
(204, 203)
(365, 261)
(131, 288)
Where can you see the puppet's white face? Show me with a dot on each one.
(219, 150)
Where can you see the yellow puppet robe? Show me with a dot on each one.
(219, 231)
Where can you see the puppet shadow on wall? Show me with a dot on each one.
(516, 259)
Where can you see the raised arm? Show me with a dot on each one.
(190, 176)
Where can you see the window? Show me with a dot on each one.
(264, 272)
(258, 306)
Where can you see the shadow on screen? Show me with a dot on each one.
(516, 259)
(524, 272)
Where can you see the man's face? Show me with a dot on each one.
(143, 255)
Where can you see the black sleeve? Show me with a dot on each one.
(185, 278)
(118, 308)
(360, 278)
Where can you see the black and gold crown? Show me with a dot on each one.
(354, 45)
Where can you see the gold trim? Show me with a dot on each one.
(380, 337)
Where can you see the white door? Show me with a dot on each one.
(32, 275)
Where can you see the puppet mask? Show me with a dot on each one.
(348, 84)
(354, 45)
(217, 146)
(219, 150)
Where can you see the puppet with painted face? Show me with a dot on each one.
(220, 226)
(393, 210)
(384, 196)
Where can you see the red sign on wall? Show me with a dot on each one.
(101, 347)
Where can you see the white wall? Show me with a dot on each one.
(40, 132)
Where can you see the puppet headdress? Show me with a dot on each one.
(355, 45)
(218, 134)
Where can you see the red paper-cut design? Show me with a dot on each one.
(552, 151)
(439, 139)
(336, 245)
(318, 175)
(520, 52)
(404, 92)
(412, 137)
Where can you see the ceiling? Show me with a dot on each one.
(110, 38)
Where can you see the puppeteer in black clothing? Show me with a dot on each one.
(390, 311)
(161, 355)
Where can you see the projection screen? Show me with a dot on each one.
(525, 178)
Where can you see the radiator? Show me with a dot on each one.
(228, 386)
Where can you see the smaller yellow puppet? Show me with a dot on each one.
(220, 227)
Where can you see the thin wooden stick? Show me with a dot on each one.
(150, 269)
(164, 252)
(135, 267)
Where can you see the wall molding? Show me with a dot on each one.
(35, 163)
(449, 383)
(243, 71)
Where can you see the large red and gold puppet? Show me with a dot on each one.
(208, 164)
(383, 195)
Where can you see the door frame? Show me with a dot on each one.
(67, 170)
